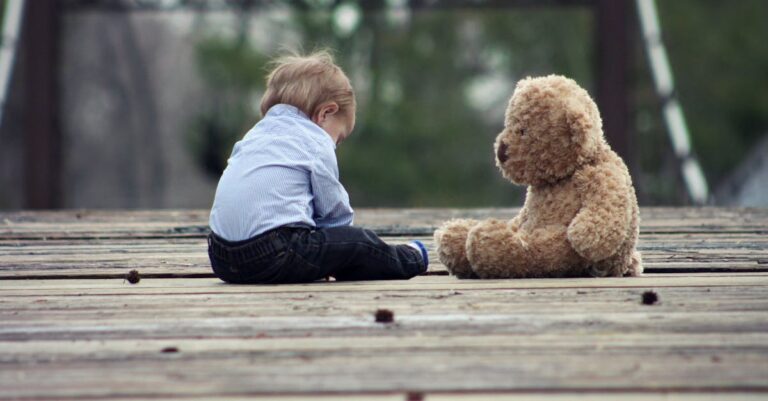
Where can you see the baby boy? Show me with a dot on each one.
(280, 214)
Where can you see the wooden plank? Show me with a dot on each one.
(703, 243)
(42, 351)
(481, 396)
(478, 339)
(116, 286)
(417, 216)
(129, 304)
(609, 395)
(718, 314)
(101, 338)
(164, 375)
(391, 222)
(199, 268)
(187, 373)
(186, 257)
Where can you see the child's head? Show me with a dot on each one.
(316, 86)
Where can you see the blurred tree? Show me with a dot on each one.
(233, 70)
(432, 88)
(719, 59)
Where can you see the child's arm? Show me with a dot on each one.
(331, 201)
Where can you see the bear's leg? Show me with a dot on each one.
(451, 241)
(635, 265)
(496, 251)
(627, 262)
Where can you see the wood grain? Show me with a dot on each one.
(71, 328)
(709, 332)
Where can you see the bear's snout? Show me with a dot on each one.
(501, 153)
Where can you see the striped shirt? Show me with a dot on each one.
(283, 172)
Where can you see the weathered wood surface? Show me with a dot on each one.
(99, 338)
(94, 244)
(88, 334)
(396, 222)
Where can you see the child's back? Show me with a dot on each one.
(283, 172)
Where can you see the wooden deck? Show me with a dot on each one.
(72, 328)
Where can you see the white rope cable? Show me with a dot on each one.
(695, 181)
(14, 10)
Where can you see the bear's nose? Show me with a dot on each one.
(501, 153)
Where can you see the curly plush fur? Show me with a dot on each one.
(580, 216)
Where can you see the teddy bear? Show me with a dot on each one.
(580, 217)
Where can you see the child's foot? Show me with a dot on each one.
(416, 244)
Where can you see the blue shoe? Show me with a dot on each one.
(416, 244)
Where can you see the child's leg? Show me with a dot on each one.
(261, 260)
(352, 253)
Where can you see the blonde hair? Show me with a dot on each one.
(307, 82)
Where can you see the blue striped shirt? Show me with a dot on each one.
(283, 172)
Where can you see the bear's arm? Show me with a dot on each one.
(516, 222)
(600, 227)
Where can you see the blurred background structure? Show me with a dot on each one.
(137, 103)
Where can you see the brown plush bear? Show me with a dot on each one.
(580, 216)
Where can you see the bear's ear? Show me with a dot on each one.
(508, 112)
(584, 125)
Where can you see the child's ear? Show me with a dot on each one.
(326, 110)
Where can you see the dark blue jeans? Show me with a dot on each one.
(303, 254)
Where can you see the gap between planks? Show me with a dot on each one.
(116, 286)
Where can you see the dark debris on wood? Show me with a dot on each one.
(384, 316)
(133, 277)
(650, 298)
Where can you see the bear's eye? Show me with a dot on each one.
(521, 131)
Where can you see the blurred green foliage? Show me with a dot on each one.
(233, 71)
(720, 62)
(432, 87)
(719, 53)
